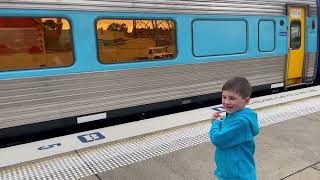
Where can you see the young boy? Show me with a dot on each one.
(233, 135)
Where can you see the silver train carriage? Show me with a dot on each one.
(61, 60)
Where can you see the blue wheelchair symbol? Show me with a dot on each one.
(91, 137)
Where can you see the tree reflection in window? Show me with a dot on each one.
(131, 40)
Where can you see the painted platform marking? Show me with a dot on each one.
(91, 137)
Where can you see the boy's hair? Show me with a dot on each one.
(238, 85)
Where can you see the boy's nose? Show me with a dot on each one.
(227, 101)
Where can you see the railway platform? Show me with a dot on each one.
(178, 147)
(288, 150)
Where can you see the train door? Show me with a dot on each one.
(296, 45)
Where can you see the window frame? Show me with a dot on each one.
(71, 40)
(220, 19)
(291, 39)
(134, 18)
(274, 35)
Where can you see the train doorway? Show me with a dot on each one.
(296, 44)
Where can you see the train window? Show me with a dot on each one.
(30, 43)
(130, 40)
(266, 35)
(295, 35)
(219, 37)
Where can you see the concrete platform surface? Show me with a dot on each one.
(289, 150)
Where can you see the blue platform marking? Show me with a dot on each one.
(86, 138)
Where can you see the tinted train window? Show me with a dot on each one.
(129, 40)
(295, 35)
(219, 37)
(29, 43)
(266, 35)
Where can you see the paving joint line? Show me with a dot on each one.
(315, 168)
(299, 170)
(87, 164)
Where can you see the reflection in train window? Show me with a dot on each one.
(128, 40)
(30, 43)
(295, 35)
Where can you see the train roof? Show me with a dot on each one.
(233, 7)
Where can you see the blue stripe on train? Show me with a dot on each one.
(85, 45)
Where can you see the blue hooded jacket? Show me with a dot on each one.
(235, 146)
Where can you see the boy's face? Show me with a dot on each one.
(233, 102)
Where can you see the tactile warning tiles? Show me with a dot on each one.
(65, 167)
(120, 154)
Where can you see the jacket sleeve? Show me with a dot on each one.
(215, 127)
(230, 135)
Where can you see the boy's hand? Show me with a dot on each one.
(216, 116)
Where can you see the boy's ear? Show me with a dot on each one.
(247, 100)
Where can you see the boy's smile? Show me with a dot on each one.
(233, 102)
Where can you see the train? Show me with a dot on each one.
(68, 62)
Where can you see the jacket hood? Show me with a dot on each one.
(252, 118)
